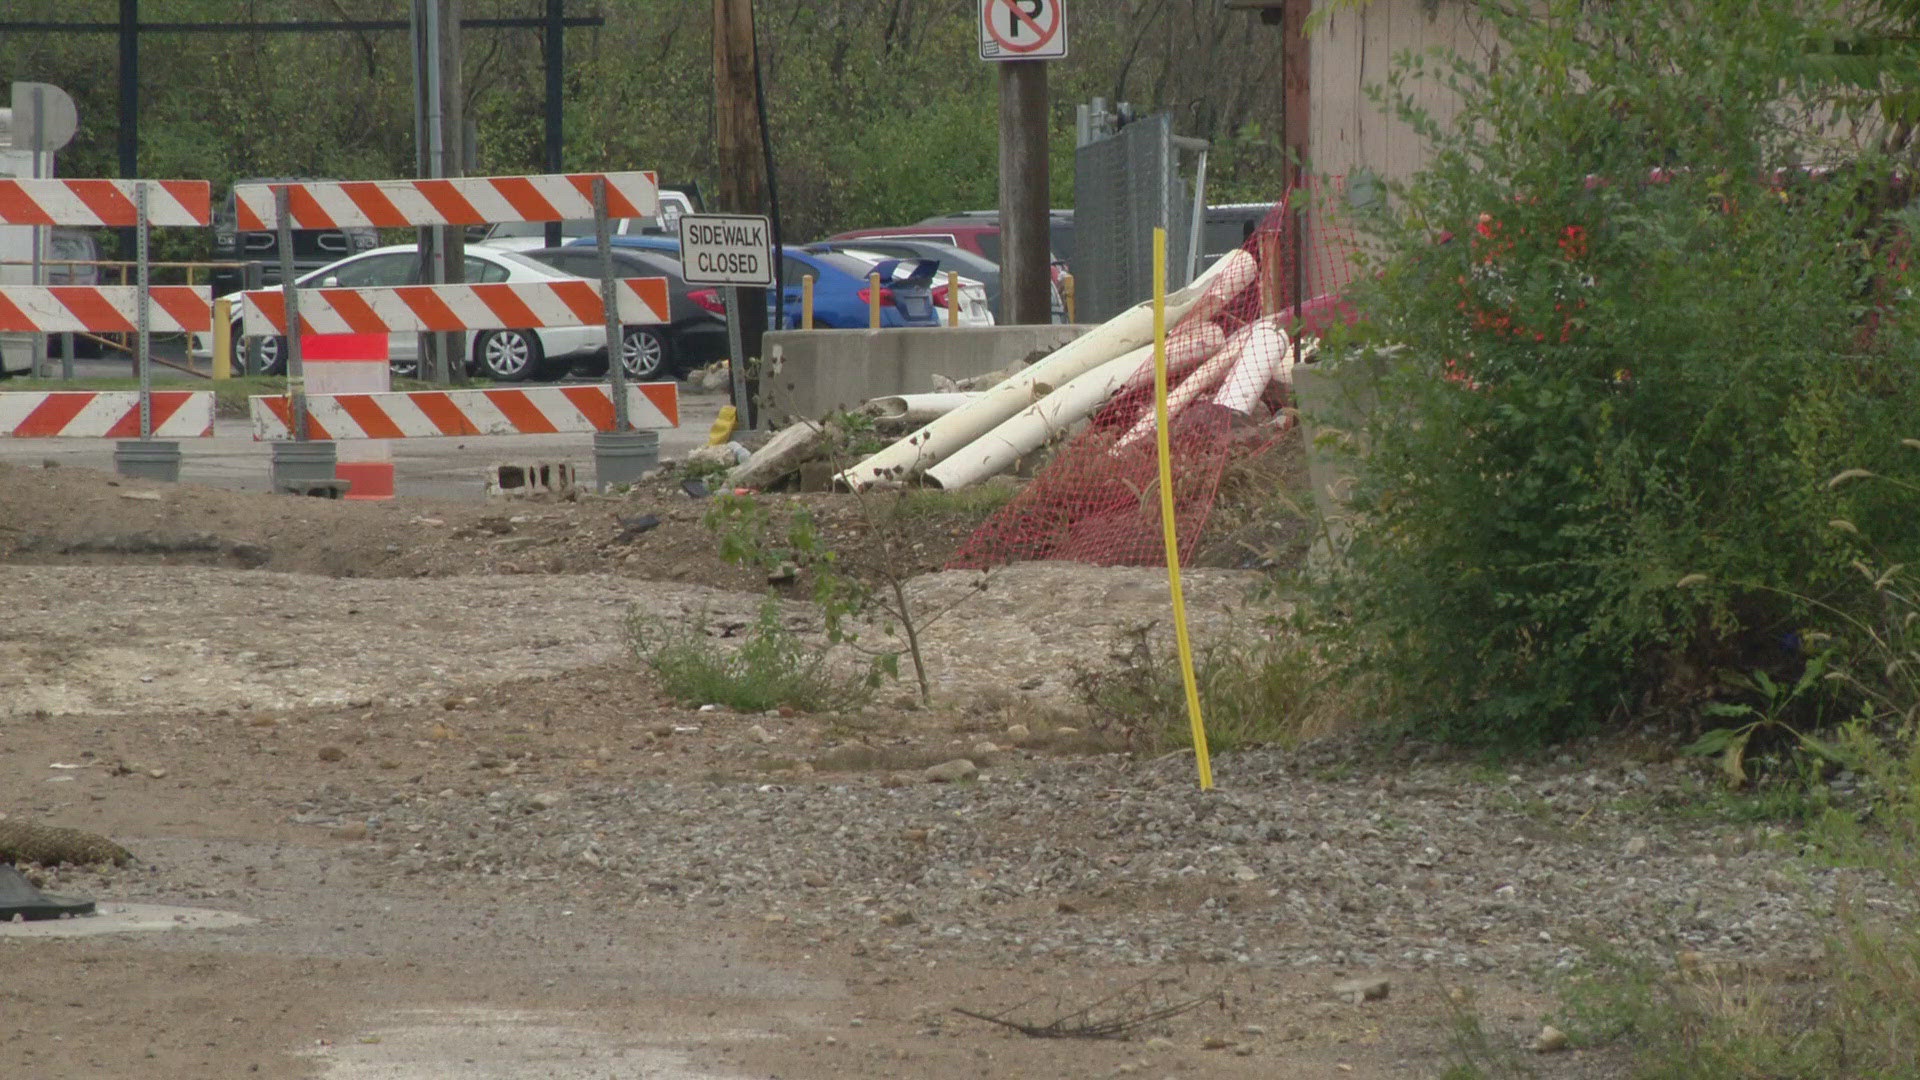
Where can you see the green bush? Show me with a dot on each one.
(1628, 351)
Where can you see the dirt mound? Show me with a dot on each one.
(71, 516)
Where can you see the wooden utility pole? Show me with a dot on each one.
(1296, 82)
(1026, 242)
(736, 137)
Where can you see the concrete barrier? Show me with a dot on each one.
(811, 373)
(1336, 402)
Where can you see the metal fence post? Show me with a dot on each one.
(622, 456)
(296, 371)
(736, 350)
(304, 465)
(144, 338)
(146, 457)
(616, 335)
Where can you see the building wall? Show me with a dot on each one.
(1355, 49)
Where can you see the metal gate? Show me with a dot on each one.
(1125, 185)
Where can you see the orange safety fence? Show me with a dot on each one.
(1097, 501)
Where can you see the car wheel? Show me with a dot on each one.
(644, 353)
(271, 361)
(510, 355)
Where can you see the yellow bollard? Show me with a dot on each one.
(1066, 294)
(806, 301)
(953, 298)
(873, 301)
(1180, 638)
(223, 339)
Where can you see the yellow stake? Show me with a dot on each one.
(1166, 508)
(873, 301)
(806, 301)
(953, 299)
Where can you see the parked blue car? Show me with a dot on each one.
(840, 290)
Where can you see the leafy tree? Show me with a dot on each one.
(880, 112)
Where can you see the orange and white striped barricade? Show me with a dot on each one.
(105, 414)
(355, 364)
(107, 309)
(101, 203)
(431, 308)
(532, 305)
(417, 414)
(460, 202)
(532, 410)
(104, 309)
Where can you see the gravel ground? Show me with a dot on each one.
(480, 754)
(1426, 869)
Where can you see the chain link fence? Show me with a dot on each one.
(1126, 185)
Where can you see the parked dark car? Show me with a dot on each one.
(312, 248)
(696, 337)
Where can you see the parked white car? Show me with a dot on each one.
(532, 235)
(510, 355)
(975, 310)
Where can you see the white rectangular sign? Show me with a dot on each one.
(726, 249)
(1023, 29)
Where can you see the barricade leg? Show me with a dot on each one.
(147, 459)
(624, 457)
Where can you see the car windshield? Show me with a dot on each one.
(520, 260)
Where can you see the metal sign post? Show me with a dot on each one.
(304, 465)
(732, 251)
(39, 357)
(296, 371)
(622, 456)
(144, 336)
(736, 349)
(616, 336)
(44, 121)
(146, 457)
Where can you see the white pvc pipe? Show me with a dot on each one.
(1129, 330)
(1030, 428)
(917, 408)
(1258, 367)
(1257, 335)
(1248, 379)
(1180, 360)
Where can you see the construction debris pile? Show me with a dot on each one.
(1235, 335)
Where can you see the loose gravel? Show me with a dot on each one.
(1430, 868)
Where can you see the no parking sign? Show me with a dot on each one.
(1023, 29)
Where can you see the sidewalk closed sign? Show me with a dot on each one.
(726, 249)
